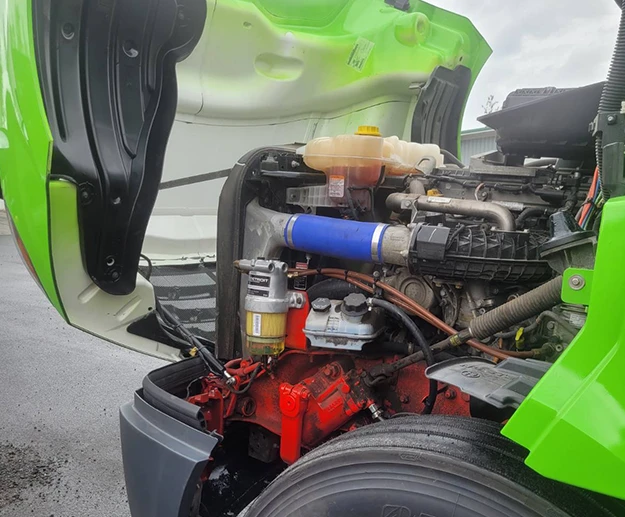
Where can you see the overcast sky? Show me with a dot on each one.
(538, 43)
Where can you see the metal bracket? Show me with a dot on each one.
(611, 128)
(293, 404)
(577, 285)
(296, 299)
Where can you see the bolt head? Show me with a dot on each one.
(577, 282)
(450, 394)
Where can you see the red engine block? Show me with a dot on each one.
(309, 396)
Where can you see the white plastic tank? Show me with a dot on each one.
(361, 160)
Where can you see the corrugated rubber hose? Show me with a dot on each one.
(525, 306)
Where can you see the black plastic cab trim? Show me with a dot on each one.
(108, 78)
(437, 115)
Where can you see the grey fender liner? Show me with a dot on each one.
(163, 460)
(502, 385)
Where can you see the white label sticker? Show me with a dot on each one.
(336, 186)
(360, 54)
(257, 321)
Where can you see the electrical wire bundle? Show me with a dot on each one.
(173, 328)
(591, 209)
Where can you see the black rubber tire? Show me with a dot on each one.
(429, 466)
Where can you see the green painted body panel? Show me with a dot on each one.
(573, 422)
(382, 39)
(25, 140)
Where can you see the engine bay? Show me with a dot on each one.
(355, 295)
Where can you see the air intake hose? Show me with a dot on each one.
(613, 94)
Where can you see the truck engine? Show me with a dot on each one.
(363, 278)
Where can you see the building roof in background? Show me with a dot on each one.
(479, 132)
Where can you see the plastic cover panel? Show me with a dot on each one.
(107, 72)
(190, 293)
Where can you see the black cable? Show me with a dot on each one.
(380, 372)
(533, 212)
(249, 384)
(512, 333)
(150, 266)
(452, 158)
(350, 202)
(211, 361)
(421, 341)
(176, 339)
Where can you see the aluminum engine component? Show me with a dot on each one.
(414, 287)
(343, 324)
(499, 215)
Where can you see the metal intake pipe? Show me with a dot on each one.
(497, 214)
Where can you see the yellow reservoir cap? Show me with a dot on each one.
(368, 131)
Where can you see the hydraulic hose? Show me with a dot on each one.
(613, 94)
(533, 212)
(332, 288)
(504, 316)
(418, 336)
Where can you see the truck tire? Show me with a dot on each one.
(434, 466)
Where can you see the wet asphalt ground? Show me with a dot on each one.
(60, 390)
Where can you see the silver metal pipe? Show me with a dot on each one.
(497, 214)
(395, 245)
(417, 187)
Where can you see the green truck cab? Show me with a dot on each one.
(150, 135)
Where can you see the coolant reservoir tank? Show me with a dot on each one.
(349, 161)
(406, 156)
(353, 162)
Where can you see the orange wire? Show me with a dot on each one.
(588, 202)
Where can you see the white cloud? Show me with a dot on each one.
(536, 43)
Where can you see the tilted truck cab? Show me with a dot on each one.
(381, 308)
